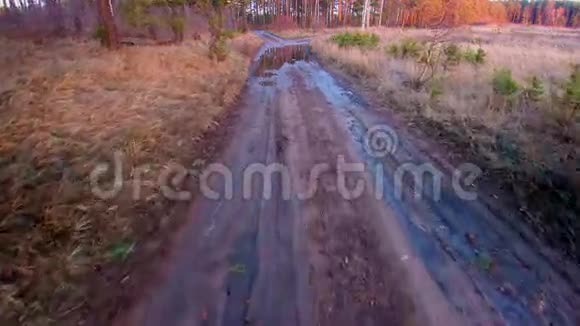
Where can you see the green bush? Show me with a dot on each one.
(410, 48)
(356, 39)
(452, 54)
(535, 89)
(474, 56)
(572, 88)
(392, 49)
(503, 83)
(218, 48)
(480, 56)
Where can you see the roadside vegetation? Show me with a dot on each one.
(361, 40)
(67, 106)
(512, 104)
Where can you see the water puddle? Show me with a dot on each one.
(274, 58)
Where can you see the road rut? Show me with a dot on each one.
(289, 259)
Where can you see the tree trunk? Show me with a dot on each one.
(365, 14)
(381, 13)
(107, 21)
(317, 12)
(369, 9)
(350, 13)
(256, 15)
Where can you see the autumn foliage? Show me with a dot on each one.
(76, 17)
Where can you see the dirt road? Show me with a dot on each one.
(294, 256)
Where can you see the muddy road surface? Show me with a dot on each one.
(309, 219)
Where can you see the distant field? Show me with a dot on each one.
(557, 37)
(517, 35)
(514, 104)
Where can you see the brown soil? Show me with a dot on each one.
(320, 261)
(328, 260)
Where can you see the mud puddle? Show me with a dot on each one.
(274, 58)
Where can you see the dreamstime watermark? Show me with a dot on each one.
(380, 141)
(350, 180)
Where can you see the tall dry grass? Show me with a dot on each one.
(532, 145)
(66, 106)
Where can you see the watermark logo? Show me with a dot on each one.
(258, 180)
(380, 141)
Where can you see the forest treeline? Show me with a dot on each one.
(412, 13)
(176, 16)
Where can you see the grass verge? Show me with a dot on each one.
(67, 106)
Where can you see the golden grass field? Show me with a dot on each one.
(66, 106)
(531, 145)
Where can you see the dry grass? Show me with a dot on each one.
(67, 106)
(297, 33)
(533, 145)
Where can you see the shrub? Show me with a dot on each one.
(359, 39)
(474, 56)
(452, 54)
(436, 88)
(535, 90)
(218, 48)
(428, 63)
(572, 89)
(503, 83)
(480, 56)
(177, 25)
(392, 49)
(410, 48)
